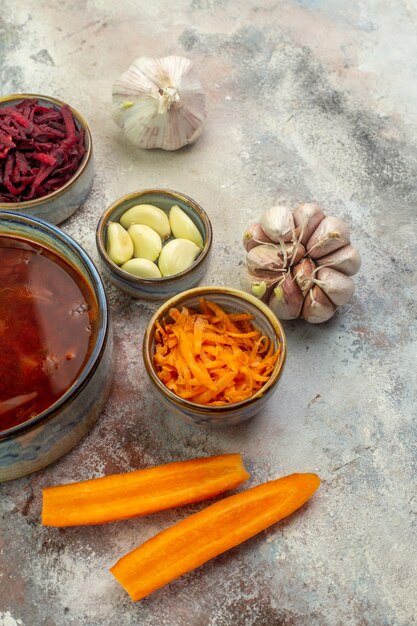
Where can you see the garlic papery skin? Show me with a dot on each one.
(304, 273)
(286, 299)
(159, 103)
(337, 286)
(278, 223)
(177, 255)
(264, 257)
(346, 260)
(317, 307)
(119, 245)
(307, 216)
(183, 227)
(147, 244)
(332, 233)
(253, 236)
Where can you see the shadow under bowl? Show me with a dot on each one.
(232, 301)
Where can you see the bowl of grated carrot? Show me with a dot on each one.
(214, 355)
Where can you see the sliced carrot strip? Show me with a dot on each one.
(210, 532)
(198, 371)
(121, 496)
(198, 334)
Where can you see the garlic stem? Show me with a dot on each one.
(167, 97)
(307, 217)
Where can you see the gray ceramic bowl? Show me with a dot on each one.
(46, 437)
(232, 301)
(57, 206)
(155, 288)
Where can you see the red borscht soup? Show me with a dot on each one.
(48, 325)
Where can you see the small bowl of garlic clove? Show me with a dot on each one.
(154, 243)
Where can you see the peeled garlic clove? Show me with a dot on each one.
(183, 227)
(259, 284)
(147, 244)
(286, 299)
(160, 103)
(278, 223)
(307, 216)
(337, 286)
(346, 260)
(331, 234)
(303, 274)
(317, 307)
(143, 268)
(149, 215)
(177, 255)
(254, 236)
(119, 245)
(264, 257)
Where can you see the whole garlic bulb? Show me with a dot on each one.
(159, 103)
(309, 275)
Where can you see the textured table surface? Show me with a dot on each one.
(307, 100)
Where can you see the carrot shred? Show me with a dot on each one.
(212, 357)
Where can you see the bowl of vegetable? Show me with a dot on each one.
(154, 243)
(214, 355)
(46, 157)
(56, 344)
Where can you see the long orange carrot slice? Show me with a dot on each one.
(206, 534)
(121, 496)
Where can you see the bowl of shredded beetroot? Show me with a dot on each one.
(45, 148)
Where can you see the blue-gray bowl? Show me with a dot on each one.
(232, 301)
(57, 206)
(155, 288)
(41, 440)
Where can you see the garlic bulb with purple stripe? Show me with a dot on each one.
(159, 103)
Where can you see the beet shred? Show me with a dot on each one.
(41, 148)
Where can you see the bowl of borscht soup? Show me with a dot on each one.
(55, 344)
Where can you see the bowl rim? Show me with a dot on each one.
(206, 291)
(164, 280)
(16, 206)
(102, 330)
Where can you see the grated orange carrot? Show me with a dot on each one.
(212, 357)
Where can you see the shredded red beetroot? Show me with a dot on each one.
(40, 149)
